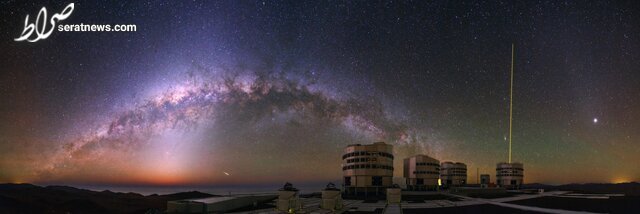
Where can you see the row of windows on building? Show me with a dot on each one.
(514, 175)
(454, 174)
(364, 153)
(454, 171)
(427, 164)
(426, 172)
(513, 182)
(355, 160)
(508, 168)
(509, 172)
(455, 168)
(367, 166)
(375, 181)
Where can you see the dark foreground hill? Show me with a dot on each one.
(28, 198)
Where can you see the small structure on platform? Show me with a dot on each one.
(394, 195)
(288, 199)
(485, 180)
(331, 198)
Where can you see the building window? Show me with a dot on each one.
(347, 181)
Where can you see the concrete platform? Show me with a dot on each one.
(216, 204)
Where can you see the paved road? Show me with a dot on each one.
(501, 202)
(311, 205)
(393, 209)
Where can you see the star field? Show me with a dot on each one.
(252, 92)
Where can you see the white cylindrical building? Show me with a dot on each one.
(421, 172)
(367, 168)
(453, 174)
(509, 175)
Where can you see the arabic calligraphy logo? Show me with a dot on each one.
(41, 31)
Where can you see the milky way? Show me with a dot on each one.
(159, 133)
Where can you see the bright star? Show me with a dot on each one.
(595, 120)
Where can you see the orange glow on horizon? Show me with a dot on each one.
(618, 180)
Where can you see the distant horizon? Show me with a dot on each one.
(278, 185)
(225, 190)
(471, 179)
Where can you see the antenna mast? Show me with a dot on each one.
(511, 99)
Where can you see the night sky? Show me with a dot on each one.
(244, 92)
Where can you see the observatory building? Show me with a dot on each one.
(453, 174)
(421, 172)
(367, 168)
(509, 175)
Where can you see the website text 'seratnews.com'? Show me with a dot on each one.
(97, 28)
